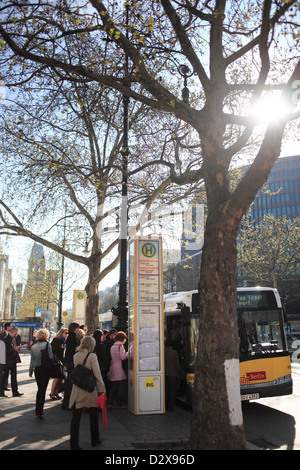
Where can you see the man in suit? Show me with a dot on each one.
(13, 345)
(2, 357)
(7, 327)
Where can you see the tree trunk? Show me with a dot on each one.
(92, 291)
(217, 418)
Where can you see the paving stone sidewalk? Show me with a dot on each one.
(19, 429)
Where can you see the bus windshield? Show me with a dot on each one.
(261, 332)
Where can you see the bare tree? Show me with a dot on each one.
(232, 49)
(62, 167)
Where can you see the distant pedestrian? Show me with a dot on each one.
(7, 327)
(172, 374)
(108, 343)
(42, 374)
(58, 345)
(72, 344)
(100, 353)
(80, 398)
(12, 347)
(105, 334)
(116, 374)
(33, 340)
(2, 358)
(80, 334)
(176, 338)
(84, 329)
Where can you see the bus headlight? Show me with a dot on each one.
(283, 379)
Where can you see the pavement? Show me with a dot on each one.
(20, 430)
(125, 432)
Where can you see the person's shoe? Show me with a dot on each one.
(40, 417)
(53, 397)
(65, 407)
(2, 394)
(17, 394)
(98, 442)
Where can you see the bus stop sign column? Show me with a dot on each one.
(146, 327)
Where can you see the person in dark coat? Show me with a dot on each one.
(108, 343)
(72, 344)
(13, 345)
(58, 345)
(172, 374)
(100, 352)
(7, 327)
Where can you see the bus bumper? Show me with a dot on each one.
(280, 387)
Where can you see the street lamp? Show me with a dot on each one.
(121, 311)
(86, 250)
(185, 72)
(61, 287)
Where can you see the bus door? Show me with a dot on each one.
(190, 336)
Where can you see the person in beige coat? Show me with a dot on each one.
(80, 399)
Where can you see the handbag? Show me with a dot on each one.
(57, 369)
(83, 377)
(54, 366)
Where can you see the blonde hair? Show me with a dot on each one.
(87, 342)
(80, 334)
(42, 334)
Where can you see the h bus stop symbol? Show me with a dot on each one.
(148, 250)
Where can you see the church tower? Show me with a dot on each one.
(40, 289)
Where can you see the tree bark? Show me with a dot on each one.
(92, 292)
(217, 418)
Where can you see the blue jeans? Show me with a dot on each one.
(116, 392)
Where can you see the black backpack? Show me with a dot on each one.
(83, 377)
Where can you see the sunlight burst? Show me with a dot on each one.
(269, 110)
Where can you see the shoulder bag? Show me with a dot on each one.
(54, 366)
(83, 377)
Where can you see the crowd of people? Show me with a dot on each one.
(105, 353)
